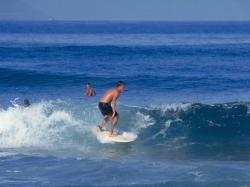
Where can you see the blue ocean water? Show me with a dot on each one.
(187, 100)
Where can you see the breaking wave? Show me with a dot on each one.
(63, 126)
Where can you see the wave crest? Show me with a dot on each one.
(61, 125)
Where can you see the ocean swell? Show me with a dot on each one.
(63, 126)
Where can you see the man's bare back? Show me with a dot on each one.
(110, 96)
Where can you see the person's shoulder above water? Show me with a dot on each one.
(89, 90)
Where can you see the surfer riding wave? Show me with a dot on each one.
(107, 106)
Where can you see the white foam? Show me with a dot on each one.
(105, 139)
(174, 107)
(37, 126)
(14, 102)
(141, 121)
(100, 138)
(129, 135)
(163, 131)
(5, 154)
(248, 108)
(12, 171)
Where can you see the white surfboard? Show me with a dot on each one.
(125, 137)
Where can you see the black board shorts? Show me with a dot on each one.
(106, 109)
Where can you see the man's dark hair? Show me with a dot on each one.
(120, 83)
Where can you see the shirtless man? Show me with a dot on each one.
(107, 106)
(89, 90)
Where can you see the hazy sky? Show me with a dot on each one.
(169, 10)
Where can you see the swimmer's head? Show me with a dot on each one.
(26, 103)
(88, 85)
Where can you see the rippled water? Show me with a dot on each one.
(187, 100)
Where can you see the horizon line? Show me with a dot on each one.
(76, 20)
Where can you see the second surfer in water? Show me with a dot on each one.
(107, 106)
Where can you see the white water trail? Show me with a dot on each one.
(40, 125)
